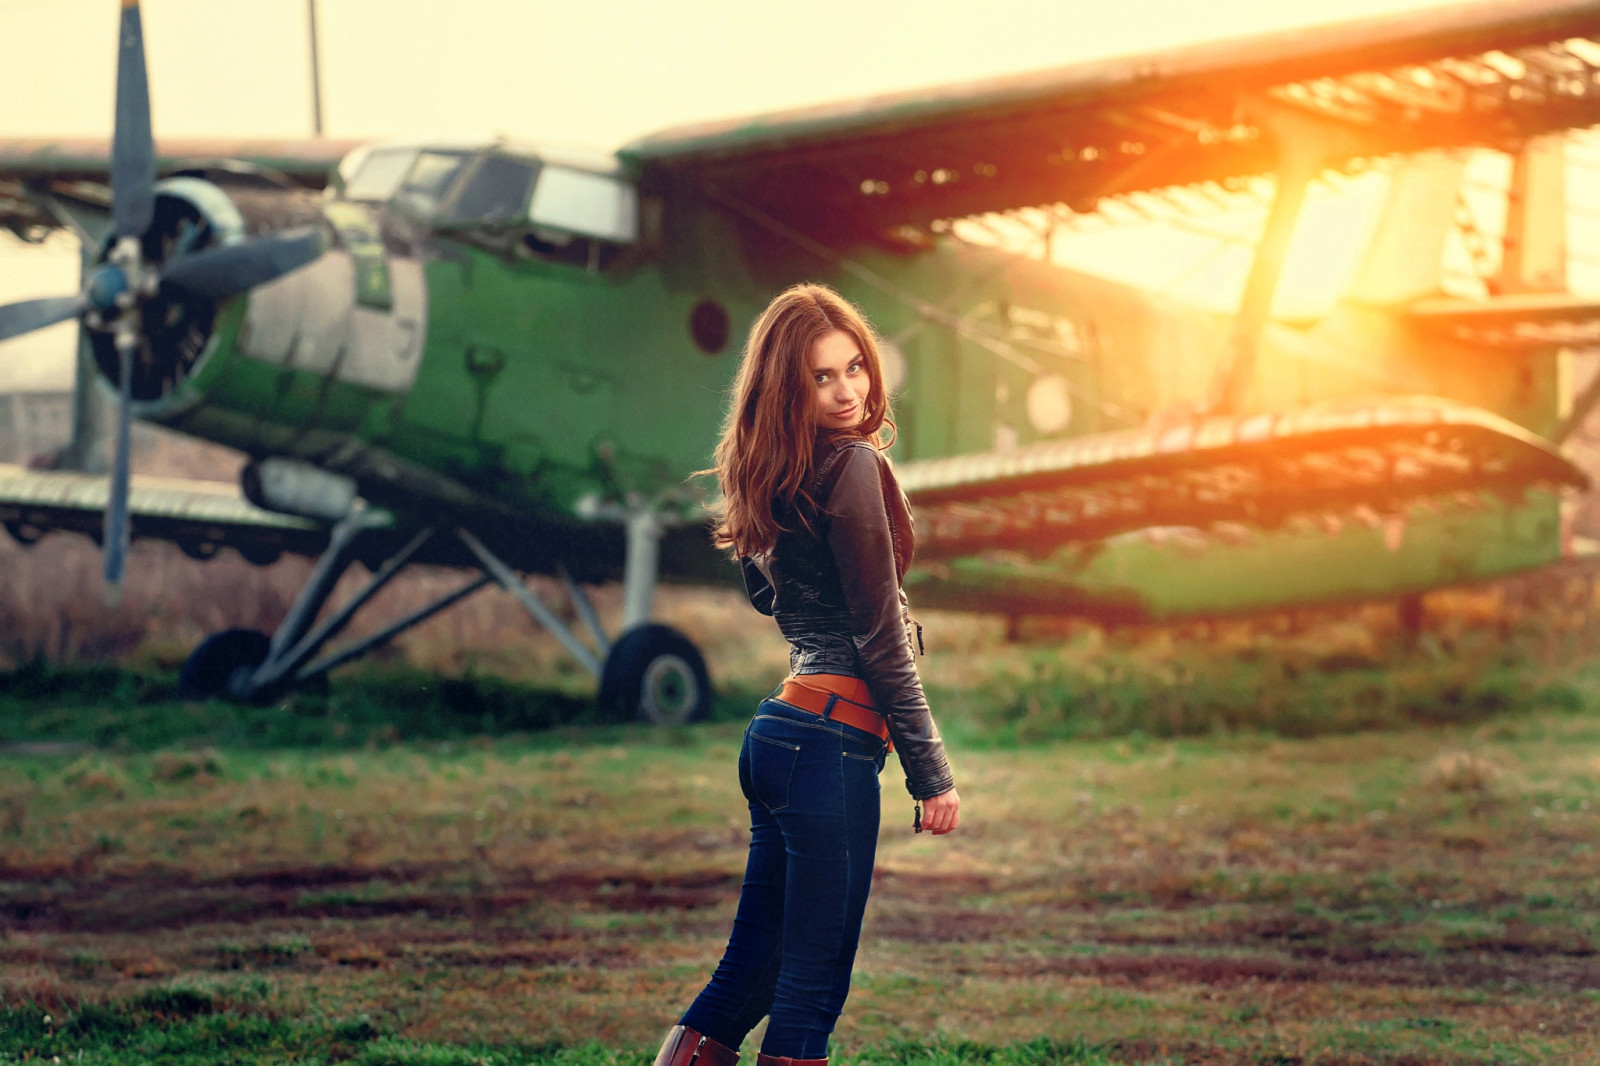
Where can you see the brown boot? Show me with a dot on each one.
(683, 1047)
(763, 1059)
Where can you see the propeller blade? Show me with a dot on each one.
(116, 527)
(133, 150)
(29, 315)
(219, 273)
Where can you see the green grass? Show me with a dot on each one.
(1426, 895)
(184, 1025)
(1313, 848)
(1193, 691)
(138, 710)
(1028, 696)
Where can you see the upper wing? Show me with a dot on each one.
(1487, 74)
(75, 170)
(1363, 458)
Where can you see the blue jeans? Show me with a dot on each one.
(812, 784)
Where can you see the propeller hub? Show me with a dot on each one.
(107, 284)
(129, 302)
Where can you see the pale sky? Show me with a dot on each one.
(589, 72)
(595, 72)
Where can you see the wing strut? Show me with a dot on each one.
(1304, 143)
(1581, 407)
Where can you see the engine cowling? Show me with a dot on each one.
(192, 214)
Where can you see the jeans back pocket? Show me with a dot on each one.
(771, 770)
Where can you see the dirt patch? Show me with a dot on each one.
(1305, 948)
(45, 902)
(1553, 972)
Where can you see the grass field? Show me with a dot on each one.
(1405, 896)
(1304, 839)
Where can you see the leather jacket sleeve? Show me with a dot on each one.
(861, 542)
(757, 585)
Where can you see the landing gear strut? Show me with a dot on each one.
(253, 668)
(652, 671)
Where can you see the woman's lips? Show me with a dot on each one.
(846, 413)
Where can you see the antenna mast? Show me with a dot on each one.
(316, 72)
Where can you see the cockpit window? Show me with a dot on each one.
(587, 204)
(496, 192)
(380, 175)
(429, 180)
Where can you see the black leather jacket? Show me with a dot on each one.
(832, 582)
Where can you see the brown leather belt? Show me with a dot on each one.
(850, 700)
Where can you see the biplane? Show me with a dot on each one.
(508, 360)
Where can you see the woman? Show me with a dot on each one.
(823, 534)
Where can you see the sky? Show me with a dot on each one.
(582, 72)
(594, 72)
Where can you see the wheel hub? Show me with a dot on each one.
(670, 691)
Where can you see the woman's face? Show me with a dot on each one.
(839, 372)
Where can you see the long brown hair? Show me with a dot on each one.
(764, 457)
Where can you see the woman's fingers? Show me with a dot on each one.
(942, 813)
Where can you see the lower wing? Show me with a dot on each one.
(1364, 458)
(201, 517)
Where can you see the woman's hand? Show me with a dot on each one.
(941, 813)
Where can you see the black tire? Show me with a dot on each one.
(656, 674)
(209, 667)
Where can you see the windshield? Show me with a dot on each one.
(496, 192)
(593, 205)
(429, 179)
(380, 175)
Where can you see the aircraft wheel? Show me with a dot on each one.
(208, 669)
(655, 673)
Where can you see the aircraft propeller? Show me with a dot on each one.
(133, 149)
(116, 288)
(29, 315)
